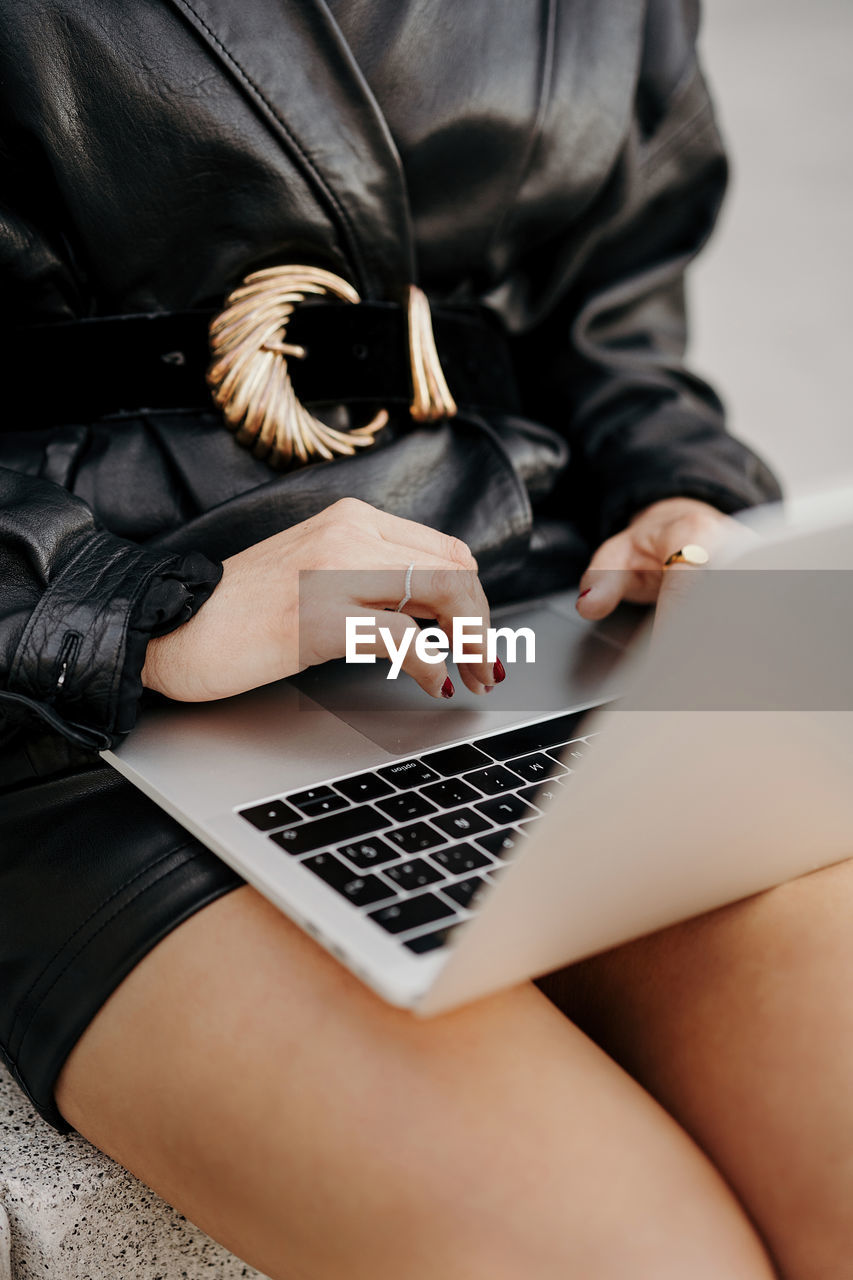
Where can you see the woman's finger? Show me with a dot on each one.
(608, 578)
(384, 584)
(450, 594)
(393, 636)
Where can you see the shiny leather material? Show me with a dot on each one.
(88, 596)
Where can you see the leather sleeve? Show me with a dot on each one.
(77, 604)
(77, 608)
(607, 367)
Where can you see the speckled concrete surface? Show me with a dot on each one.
(5, 1260)
(73, 1214)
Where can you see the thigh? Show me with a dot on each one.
(320, 1133)
(741, 1023)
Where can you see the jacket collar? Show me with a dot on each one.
(303, 81)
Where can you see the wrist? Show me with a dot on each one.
(150, 674)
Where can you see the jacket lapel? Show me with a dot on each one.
(292, 63)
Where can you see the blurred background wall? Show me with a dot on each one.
(771, 299)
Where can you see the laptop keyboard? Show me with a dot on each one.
(412, 843)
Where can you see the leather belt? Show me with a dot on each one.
(83, 370)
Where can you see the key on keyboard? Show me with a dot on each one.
(464, 890)
(407, 773)
(361, 890)
(365, 786)
(450, 793)
(461, 858)
(369, 853)
(318, 800)
(411, 913)
(462, 823)
(537, 767)
(323, 804)
(543, 794)
(503, 844)
(323, 832)
(494, 780)
(275, 813)
(416, 837)
(408, 805)
(414, 874)
(507, 808)
(429, 941)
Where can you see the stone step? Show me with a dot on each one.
(68, 1212)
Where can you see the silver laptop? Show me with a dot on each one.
(441, 852)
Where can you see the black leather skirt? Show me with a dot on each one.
(92, 873)
(92, 876)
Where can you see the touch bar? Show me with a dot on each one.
(531, 737)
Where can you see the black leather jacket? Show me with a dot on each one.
(557, 161)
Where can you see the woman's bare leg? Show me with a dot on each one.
(321, 1134)
(741, 1024)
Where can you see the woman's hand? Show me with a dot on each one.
(259, 626)
(629, 566)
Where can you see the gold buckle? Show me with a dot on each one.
(249, 378)
(432, 399)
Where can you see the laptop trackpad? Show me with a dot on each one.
(575, 665)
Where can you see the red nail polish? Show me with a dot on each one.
(447, 688)
(499, 672)
(584, 593)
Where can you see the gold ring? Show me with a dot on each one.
(690, 554)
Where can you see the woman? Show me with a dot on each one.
(544, 173)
